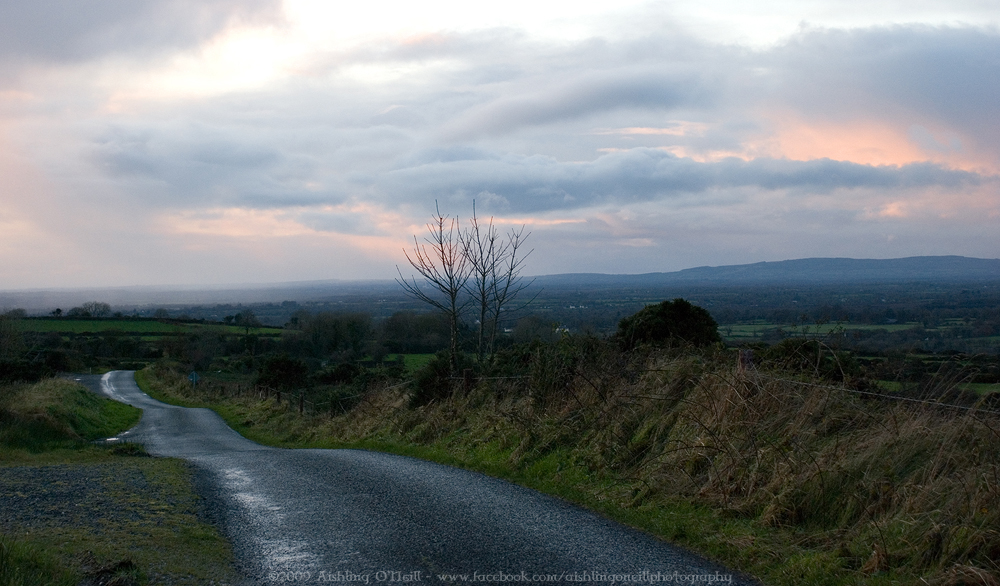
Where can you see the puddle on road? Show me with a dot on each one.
(274, 552)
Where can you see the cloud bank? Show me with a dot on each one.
(212, 142)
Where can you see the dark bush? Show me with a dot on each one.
(283, 372)
(342, 373)
(812, 357)
(22, 371)
(406, 332)
(668, 322)
(434, 380)
(339, 398)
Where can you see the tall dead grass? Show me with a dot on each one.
(872, 487)
(885, 486)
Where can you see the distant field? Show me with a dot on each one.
(980, 388)
(749, 331)
(891, 385)
(141, 327)
(412, 362)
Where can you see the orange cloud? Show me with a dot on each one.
(235, 223)
(895, 209)
(870, 143)
(678, 128)
(536, 221)
(974, 205)
(255, 229)
(705, 156)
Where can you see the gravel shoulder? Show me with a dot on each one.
(129, 508)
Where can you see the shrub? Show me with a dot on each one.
(668, 322)
(23, 371)
(811, 357)
(283, 372)
(343, 373)
(433, 380)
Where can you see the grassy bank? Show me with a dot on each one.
(57, 418)
(76, 510)
(793, 482)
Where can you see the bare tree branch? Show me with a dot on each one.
(495, 280)
(442, 265)
(484, 250)
(509, 283)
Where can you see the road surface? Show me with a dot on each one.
(355, 516)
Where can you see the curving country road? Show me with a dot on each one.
(365, 517)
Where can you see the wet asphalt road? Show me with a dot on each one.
(311, 516)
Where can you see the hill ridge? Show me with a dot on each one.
(949, 268)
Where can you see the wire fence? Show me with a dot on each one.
(887, 396)
(339, 404)
(296, 399)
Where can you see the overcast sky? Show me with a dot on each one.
(149, 142)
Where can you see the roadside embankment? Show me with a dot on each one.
(795, 481)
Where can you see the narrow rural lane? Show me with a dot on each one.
(358, 516)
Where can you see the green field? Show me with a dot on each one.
(741, 332)
(151, 328)
(412, 361)
(754, 331)
(980, 388)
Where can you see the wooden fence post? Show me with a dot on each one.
(467, 380)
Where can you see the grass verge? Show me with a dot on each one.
(792, 482)
(74, 510)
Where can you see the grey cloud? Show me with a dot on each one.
(400, 116)
(949, 73)
(517, 125)
(331, 223)
(298, 137)
(537, 183)
(947, 76)
(354, 146)
(903, 73)
(205, 170)
(74, 30)
(497, 81)
(447, 154)
(826, 174)
(928, 141)
(337, 221)
(587, 94)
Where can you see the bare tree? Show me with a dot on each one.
(247, 319)
(441, 264)
(509, 284)
(495, 283)
(483, 250)
(97, 309)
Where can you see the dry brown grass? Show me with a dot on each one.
(888, 485)
(874, 488)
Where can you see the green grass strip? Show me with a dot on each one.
(74, 508)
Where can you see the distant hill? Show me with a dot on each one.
(802, 271)
(175, 297)
(359, 295)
